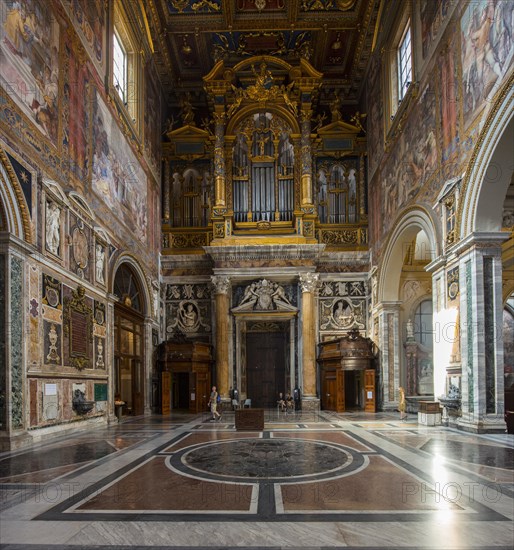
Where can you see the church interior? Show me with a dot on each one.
(256, 274)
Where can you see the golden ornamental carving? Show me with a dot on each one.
(343, 236)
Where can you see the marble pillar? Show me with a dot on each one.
(389, 349)
(222, 289)
(481, 308)
(309, 283)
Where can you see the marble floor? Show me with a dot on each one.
(308, 480)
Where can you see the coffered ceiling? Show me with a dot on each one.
(335, 36)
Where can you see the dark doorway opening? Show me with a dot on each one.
(180, 390)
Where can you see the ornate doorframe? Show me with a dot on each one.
(266, 318)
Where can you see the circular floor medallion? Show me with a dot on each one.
(284, 460)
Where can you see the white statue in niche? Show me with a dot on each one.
(53, 227)
(99, 263)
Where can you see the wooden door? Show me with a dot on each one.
(370, 391)
(137, 387)
(165, 392)
(265, 367)
(329, 391)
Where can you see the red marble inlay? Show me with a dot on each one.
(153, 486)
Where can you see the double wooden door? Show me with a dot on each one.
(266, 359)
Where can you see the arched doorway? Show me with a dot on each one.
(402, 284)
(129, 359)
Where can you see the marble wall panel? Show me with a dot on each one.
(16, 352)
(33, 394)
(34, 296)
(52, 350)
(3, 339)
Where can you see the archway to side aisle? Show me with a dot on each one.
(404, 309)
(129, 339)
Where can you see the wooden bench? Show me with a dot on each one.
(250, 419)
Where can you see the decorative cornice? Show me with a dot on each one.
(264, 252)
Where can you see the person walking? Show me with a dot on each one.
(213, 404)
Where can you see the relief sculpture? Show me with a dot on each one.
(264, 295)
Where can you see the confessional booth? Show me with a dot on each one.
(347, 367)
(185, 376)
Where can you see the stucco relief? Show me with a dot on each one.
(264, 295)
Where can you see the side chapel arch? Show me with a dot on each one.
(14, 212)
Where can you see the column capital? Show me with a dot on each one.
(309, 282)
(221, 284)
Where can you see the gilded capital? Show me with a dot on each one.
(221, 284)
(309, 282)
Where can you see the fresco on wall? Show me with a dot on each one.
(375, 134)
(76, 120)
(413, 158)
(152, 119)
(117, 175)
(88, 17)
(432, 15)
(487, 50)
(29, 61)
(448, 100)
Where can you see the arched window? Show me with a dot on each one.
(423, 329)
(128, 289)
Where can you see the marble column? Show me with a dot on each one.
(222, 289)
(389, 346)
(309, 283)
(481, 309)
(147, 367)
(14, 412)
(219, 159)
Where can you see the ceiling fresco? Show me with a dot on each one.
(190, 36)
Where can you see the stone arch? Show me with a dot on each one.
(411, 222)
(14, 211)
(134, 266)
(491, 164)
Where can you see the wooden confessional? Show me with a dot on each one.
(347, 373)
(185, 376)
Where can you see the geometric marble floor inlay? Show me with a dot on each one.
(265, 459)
(306, 481)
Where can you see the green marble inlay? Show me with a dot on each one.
(16, 343)
(490, 390)
(3, 336)
(469, 332)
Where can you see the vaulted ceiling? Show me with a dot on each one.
(190, 36)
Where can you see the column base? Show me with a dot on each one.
(15, 441)
(310, 404)
(486, 425)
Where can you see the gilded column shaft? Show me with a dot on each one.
(219, 161)
(362, 193)
(309, 284)
(222, 287)
(167, 191)
(306, 159)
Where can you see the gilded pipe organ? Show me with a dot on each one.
(264, 185)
